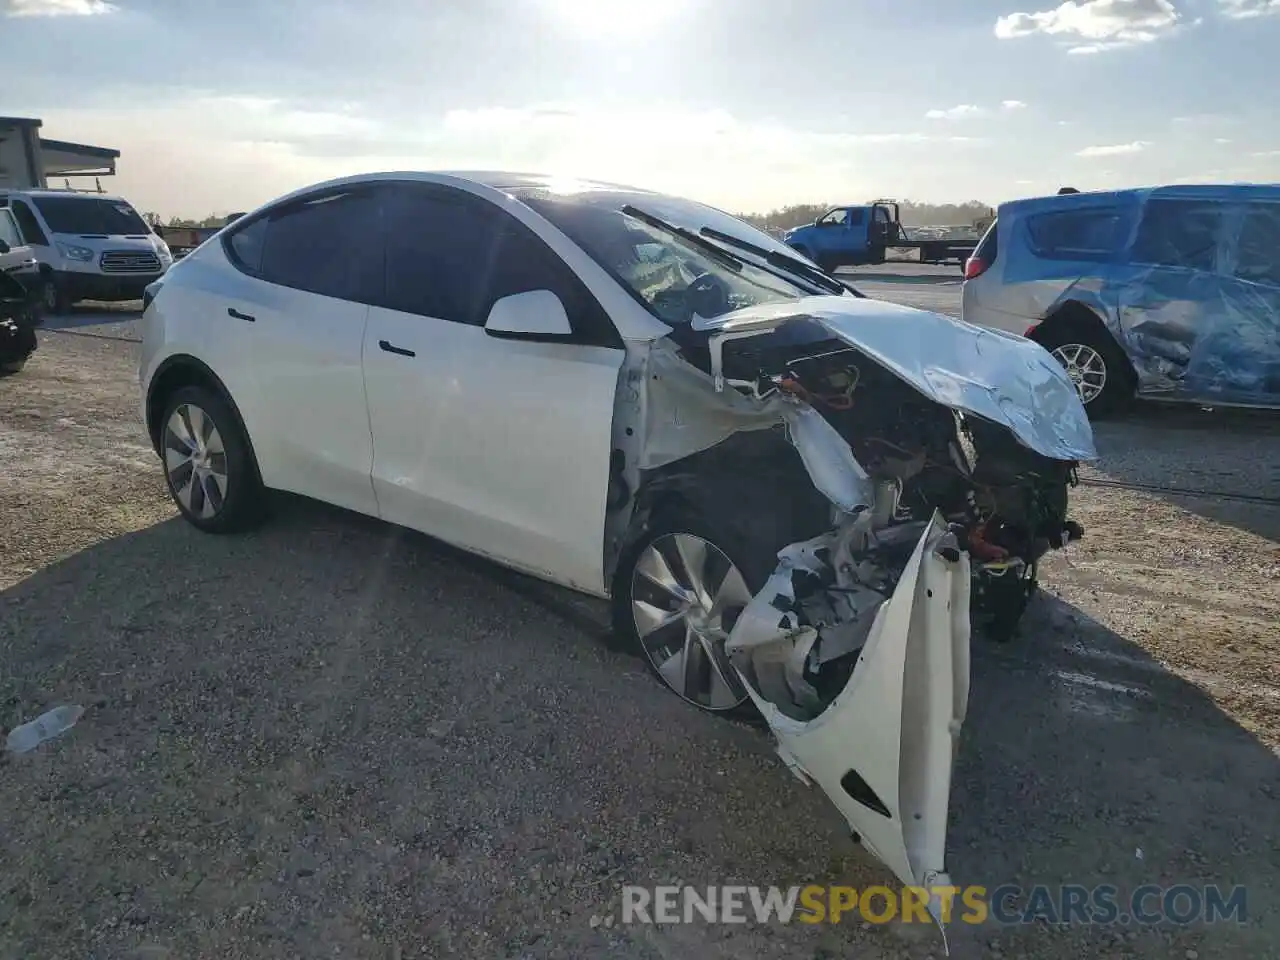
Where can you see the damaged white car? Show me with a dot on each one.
(795, 497)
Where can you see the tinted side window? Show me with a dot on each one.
(328, 245)
(856, 217)
(1179, 233)
(31, 231)
(245, 245)
(1075, 234)
(438, 248)
(1258, 256)
(451, 256)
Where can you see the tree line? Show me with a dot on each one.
(212, 220)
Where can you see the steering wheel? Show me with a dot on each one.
(707, 296)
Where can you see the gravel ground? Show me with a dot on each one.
(330, 738)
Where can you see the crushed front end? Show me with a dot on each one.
(945, 455)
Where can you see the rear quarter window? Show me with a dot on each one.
(1093, 234)
(989, 246)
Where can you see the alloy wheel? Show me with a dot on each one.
(195, 461)
(1085, 367)
(49, 295)
(685, 595)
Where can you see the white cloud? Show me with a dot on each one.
(237, 152)
(1114, 150)
(1248, 9)
(1221, 140)
(56, 8)
(1092, 26)
(965, 111)
(972, 111)
(1265, 153)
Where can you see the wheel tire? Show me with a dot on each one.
(12, 366)
(236, 504)
(1117, 388)
(53, 298)
(682, 521)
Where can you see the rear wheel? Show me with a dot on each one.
(678, 592)
(1096, 366)
(208, 467)
(12, 366)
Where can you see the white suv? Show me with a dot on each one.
(89, 246)
(647, 400)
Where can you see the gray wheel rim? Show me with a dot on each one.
(685, 593)
(195, 461)
(50, 296)
(1085, 367)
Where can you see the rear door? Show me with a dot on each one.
(1171, 296)
(287, 326)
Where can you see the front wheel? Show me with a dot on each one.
(52, 298)
(208, 467)
(678, 592)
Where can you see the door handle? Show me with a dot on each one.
(392, 348)
(233, 312)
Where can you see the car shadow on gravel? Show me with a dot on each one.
(329, 711)
(1187, 455)
(1085, 761)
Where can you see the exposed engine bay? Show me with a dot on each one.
(912, 459)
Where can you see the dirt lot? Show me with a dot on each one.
(329, 738)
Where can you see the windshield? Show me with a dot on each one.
(9, 229)
(674, 277)
(90, 215)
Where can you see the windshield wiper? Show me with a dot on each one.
(712, 250)
(783, 262)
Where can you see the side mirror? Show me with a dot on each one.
(535, 315)
(4, 247)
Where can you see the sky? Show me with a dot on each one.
(221, 105)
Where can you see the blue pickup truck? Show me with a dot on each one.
(855, 235)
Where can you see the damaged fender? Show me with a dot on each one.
(883, 750)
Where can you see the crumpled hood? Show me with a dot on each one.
(998, 376)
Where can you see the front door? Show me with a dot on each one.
(840, 238)
(497, 445)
